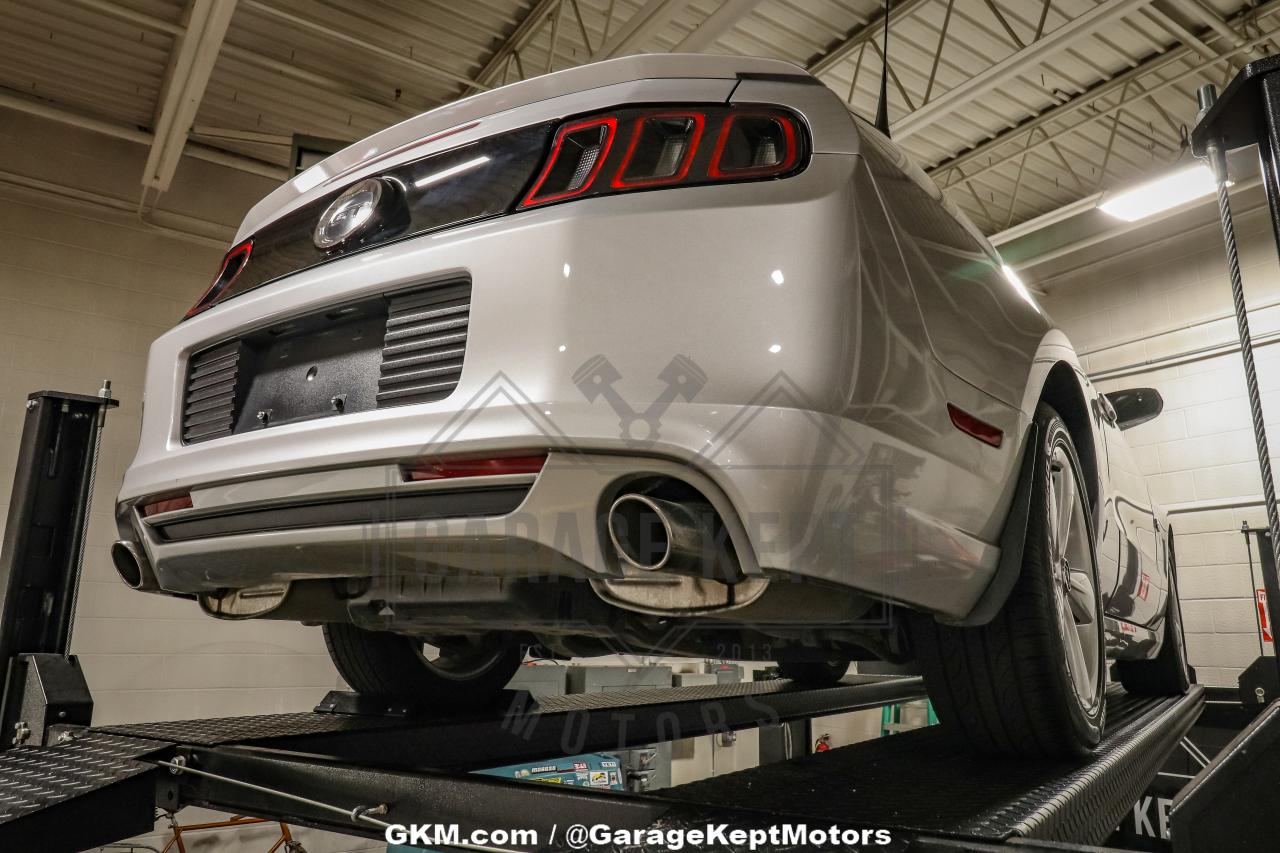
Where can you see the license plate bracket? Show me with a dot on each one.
(313, 367)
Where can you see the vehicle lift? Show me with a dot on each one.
(356, 764)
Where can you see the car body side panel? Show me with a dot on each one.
(1139, 593)
(979, 324)
(1124, 518)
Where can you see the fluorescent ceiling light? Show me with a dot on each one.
(1164, 193)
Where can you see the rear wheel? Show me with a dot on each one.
(464, 669)
(1031, 682)
(813, 672)
(1167, 674)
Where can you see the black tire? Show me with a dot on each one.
(1167, 674)
(813, 672)
(1008, 687)
(377, 663)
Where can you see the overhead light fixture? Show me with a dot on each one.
(1164, 193)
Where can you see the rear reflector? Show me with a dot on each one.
(168, 504)
(446, 469)
(981, 430)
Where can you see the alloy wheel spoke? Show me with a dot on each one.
(1075, 650)
(1080, 595)
(1066, 493)
(1055, 551)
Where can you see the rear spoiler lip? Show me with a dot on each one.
(466, 114)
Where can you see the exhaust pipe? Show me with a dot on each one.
(132, 567)
(655, 535)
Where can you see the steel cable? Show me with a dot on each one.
(1218, 162)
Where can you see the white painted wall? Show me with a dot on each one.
(1161, 316)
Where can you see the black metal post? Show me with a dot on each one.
(44, 537)
(1221, 127)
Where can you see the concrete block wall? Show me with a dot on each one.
(82, 293)
(1161, 316)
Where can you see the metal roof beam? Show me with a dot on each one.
(715, 25)
(300, 22)
(142, 137)
(1014, 65)
(241, 54)
(194, 53)
(1210, 19)
(640, 27)
(517, 41)
(1085, 100)
(862, 34)
(1178, 31)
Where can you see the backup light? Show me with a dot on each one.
(1163, 193)
(661, 150)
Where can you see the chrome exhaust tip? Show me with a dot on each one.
(132, 567)
(654, 535)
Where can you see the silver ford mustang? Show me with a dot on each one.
(668, 354)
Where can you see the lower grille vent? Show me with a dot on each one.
(209, 410)
(426, 340)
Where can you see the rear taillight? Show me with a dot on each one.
(232, 265)
(669, 146)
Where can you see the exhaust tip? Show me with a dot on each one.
(640, 531)
(128, 565)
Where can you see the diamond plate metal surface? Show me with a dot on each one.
(242, 729)
(877, 782)
(640, 696)
(34, 778)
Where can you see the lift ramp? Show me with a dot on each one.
(355, 755)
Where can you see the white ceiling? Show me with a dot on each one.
(1012, 125)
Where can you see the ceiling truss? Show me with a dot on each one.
(1018, 108)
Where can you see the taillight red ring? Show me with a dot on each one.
(218, 285)
(608, 122)
(788, 131)
(698, 122)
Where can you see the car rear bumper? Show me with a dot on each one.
(720, 345)
(802, 495)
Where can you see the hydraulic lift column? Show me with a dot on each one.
(1236, 797)
(40, 564)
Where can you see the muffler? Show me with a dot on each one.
(658, 535)
(133, 568)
